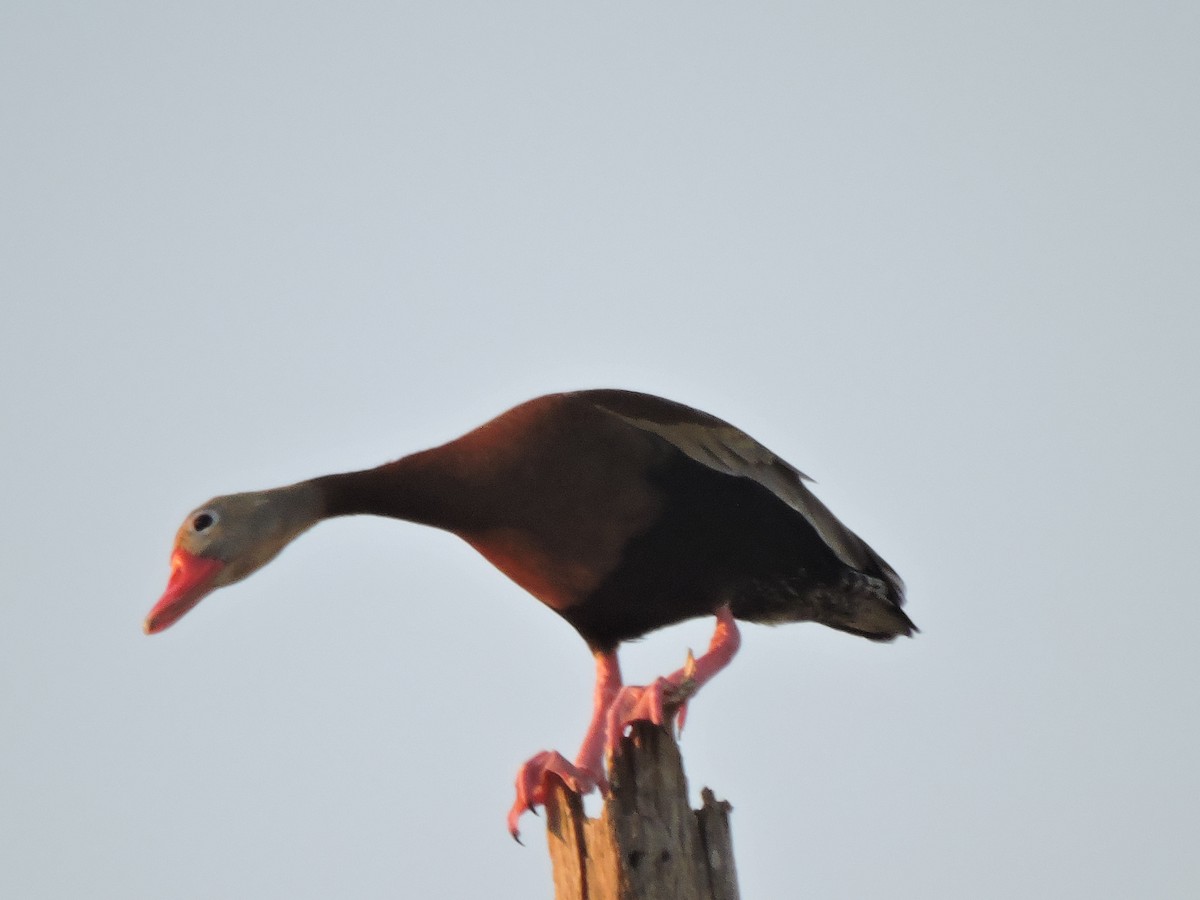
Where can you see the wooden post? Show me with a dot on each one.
(648, 844)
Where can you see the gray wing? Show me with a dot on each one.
(724, 448)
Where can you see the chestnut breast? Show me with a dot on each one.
(556, 489)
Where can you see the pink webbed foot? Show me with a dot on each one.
(614, 709)
(656, 702)
(533, 789)
(653, 702)
(587, 771)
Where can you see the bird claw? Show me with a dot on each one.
(687, 688)
(615, 710)
(659, 702)
(533, 788)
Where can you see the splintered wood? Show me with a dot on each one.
(648, 844)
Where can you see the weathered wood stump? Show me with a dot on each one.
(648, 844)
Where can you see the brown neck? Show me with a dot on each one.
(417, 488)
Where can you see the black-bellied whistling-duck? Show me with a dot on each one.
(620, 511)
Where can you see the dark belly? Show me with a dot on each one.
(718, 539)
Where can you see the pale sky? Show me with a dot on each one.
(944, 258)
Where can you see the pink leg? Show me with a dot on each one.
(608, 685)
(588, 769)
(636, 704)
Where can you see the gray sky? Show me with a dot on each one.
(945, 258)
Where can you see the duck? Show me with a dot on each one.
(622, 512)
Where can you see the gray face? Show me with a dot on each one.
(246, 531)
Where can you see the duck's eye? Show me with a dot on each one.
(203, 521)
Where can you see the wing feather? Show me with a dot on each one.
(715, 443)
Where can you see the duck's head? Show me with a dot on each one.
(226, 539)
